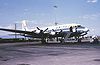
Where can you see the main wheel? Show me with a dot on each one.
(79, 40)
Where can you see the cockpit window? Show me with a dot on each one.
(79, 26)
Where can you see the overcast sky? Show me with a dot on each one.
(44, 12)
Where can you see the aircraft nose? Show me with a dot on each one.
(86, 29)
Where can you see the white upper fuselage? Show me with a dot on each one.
(58, 28)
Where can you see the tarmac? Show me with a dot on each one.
(34, 53)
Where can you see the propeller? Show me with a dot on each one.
(57, 32)
(42, 34)
(42, 31)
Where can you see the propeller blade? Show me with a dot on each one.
(45, 30)
(60, 30)
(53, 30)
(38, 28)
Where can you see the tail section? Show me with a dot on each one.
(24, 25)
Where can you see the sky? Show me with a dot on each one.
(46, 12)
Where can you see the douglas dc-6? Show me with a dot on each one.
(58, 32)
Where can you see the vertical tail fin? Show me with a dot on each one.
(24, 25)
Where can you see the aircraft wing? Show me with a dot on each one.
(17, 31)
(32, 34)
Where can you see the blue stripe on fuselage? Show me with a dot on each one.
(65, 29)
